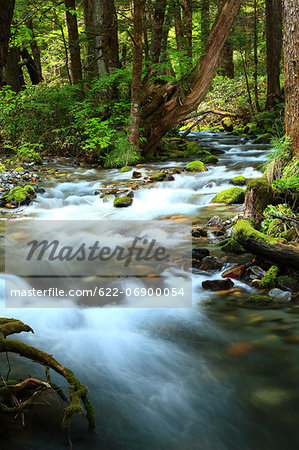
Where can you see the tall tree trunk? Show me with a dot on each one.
(187, 24)
(35, 51)
(226, 59)
(157, 30)
(291, 71)
(28, 61)
(205, 21)
(13, 70)
(6, 14)
(137, 72)
(274, 46)
(74, 46)
(172, 102)
(255, 58)
(102, 37)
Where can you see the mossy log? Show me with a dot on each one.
(77, 391)
(265, 246)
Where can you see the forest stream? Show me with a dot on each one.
(214, 377)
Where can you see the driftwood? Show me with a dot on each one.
(8, 402)
(272, 249)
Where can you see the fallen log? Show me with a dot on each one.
(269, 248)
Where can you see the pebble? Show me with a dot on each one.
(280, 296)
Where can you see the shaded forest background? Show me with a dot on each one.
(108, 80)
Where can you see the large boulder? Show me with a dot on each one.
(230, 196)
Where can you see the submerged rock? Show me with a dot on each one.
(261, 300)
(210, 263)
(218, 285)
(230, 196)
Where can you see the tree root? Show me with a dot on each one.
(77, 391)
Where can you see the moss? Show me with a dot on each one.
(230, 196)
(126, 169)
(192, 148)
(17, 194)
(159, 176)
(30, 190)
(122, 202)
(231, 246)
(238, 181)
(228, 124)
(263, 193)
(269, 280)
(212, 159)
(261, 300)
(251, 128)
(288, 283)
(243, 231)
(196, 166)
(263, 139)
(18, 169)
(2, 168)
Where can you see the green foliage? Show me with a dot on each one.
(27, 153)
(274, 226)
(123, 154)
(2, 168)
(282, 149)
(17, 194)
(30, 190)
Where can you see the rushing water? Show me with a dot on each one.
(165, 379)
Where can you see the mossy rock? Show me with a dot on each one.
(288, 283)
(193, 149)
(269, 280)
(30, 190)
(17, 194)
(196, 166)
(2, 168)
(211, 159)
(251, 128)
(230, 196)
(261, 300)
(231, 246)
(126, 169)
(158, 176)
(263, 139)
(238, 181)
(122, 202)
(227, 124)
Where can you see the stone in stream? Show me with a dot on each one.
(199, 232)
(280, 296)
(158, 176)
(169, 178)
(215, 221)
(230, 196)
(136, 174)
(234, 272)
(196, 166)
(210, 263)
(122, 202)
(218, 285)
(288, 284)
(238, 181)
(261, 300)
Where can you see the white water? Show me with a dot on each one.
(154, 376)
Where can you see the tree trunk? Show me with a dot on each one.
(265, 246)
(137, 73)
(110, 36)
(274, 46)
(35, 51)
(88, 24)
(172, 102)
(6, 14)
(187, 24)
(226, 60)
(74, 46)
(31, 67)
(13, 70)
(255, 58)
(157, 30)
(291, 71)
(205, 21)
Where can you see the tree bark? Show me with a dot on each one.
(291, 71)
(6, 15)
(157, 30)
(172, 102)
(274, 46)
(137, 73)
(29, 62)
(255, 58)
(74, 46)
(35, 51)
(226, 59)
(187, 25)
(205, 21)
(13, 70)
(110, 36)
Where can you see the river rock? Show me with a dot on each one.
(199, 253)
(257, 272)
(288, 284)
(218, 285)
(234, 272)
(280, 296)
(210, 263)
(215, 221)
(122, 202)
(136, 174)
(169, 178)
(199, 232)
